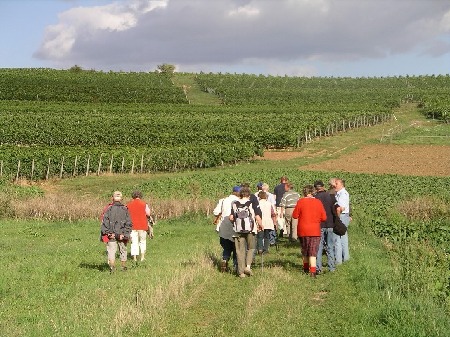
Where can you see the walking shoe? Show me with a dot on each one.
(248, 271)
(241, 275)
(124, 268)
(313, 275)
(223, 266)
(112, 269)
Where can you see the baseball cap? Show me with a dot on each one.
(236, 188)
(318, 183)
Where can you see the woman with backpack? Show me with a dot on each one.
(245, 224)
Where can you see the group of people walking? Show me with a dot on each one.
(121, 223)
(249, 223)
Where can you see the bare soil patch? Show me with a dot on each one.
(414, 160)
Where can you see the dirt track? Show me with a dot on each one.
(414, 160)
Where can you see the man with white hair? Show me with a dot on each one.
(116, 228)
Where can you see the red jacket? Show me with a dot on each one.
(310, 213)
(136, 207)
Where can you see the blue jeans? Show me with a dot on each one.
(341, 242)
(327, 240)
(228, 249)
(263, 240)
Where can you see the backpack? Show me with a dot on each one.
(243, 219)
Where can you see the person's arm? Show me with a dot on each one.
(218, 209)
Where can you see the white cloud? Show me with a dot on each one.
(138, 34)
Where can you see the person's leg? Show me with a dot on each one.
(294, 223)
(240, 245)
(111, 247)
(313, 244)
(337, 249)
(251, 243)
(303, 251)
(266, 240)
(142, 243)
(344, 239)
(329, 249)
(287, 224)
(134, 244)
(123, 254)
(320, 250)
(260, 241)
(226, 253)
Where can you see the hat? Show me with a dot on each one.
(117, 196)
(259, 184)
(318, 183)
(236, 188)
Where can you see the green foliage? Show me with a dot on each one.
(166, 69)
(49, 85)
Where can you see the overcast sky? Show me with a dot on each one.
(278, 37)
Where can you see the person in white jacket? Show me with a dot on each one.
(269, 218)
(225, 228)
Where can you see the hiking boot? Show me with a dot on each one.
(248, 271)
(223, 266)
(124, 268)
(242, 275)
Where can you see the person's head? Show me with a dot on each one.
(117, 196)
(244, 192)
(319, 185)
(339, 184)
(247, 185)
(236, 190)
(259, 186)
(265, 187)
(332, 183)
(288, 186)
(308, 190)
(284, 179)
(136, 195)
(262, 195)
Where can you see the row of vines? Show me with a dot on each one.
(52, 125)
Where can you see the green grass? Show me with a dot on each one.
(55, 281)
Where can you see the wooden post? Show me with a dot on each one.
(62, 168)
(99, 164)
(48, 169)
(18, 170)
(111, 164)
(123, 164)
(142, 163)
(87, 165)
(1, 168)
(132, 167)
(75, 166)
(32, 169)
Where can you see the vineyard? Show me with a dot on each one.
(397, 282)
(64, 123)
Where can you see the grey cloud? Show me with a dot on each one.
(190, 32)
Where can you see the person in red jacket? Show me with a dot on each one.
(139, 213)
(310, 213)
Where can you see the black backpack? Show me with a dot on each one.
(243, 218)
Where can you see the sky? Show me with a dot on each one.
(340, 38)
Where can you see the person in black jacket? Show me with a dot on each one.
(327, 236)
(116, 228)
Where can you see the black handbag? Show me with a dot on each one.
(339, 227)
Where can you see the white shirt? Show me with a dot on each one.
(343, 200)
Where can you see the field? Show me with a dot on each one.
(55, 280)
